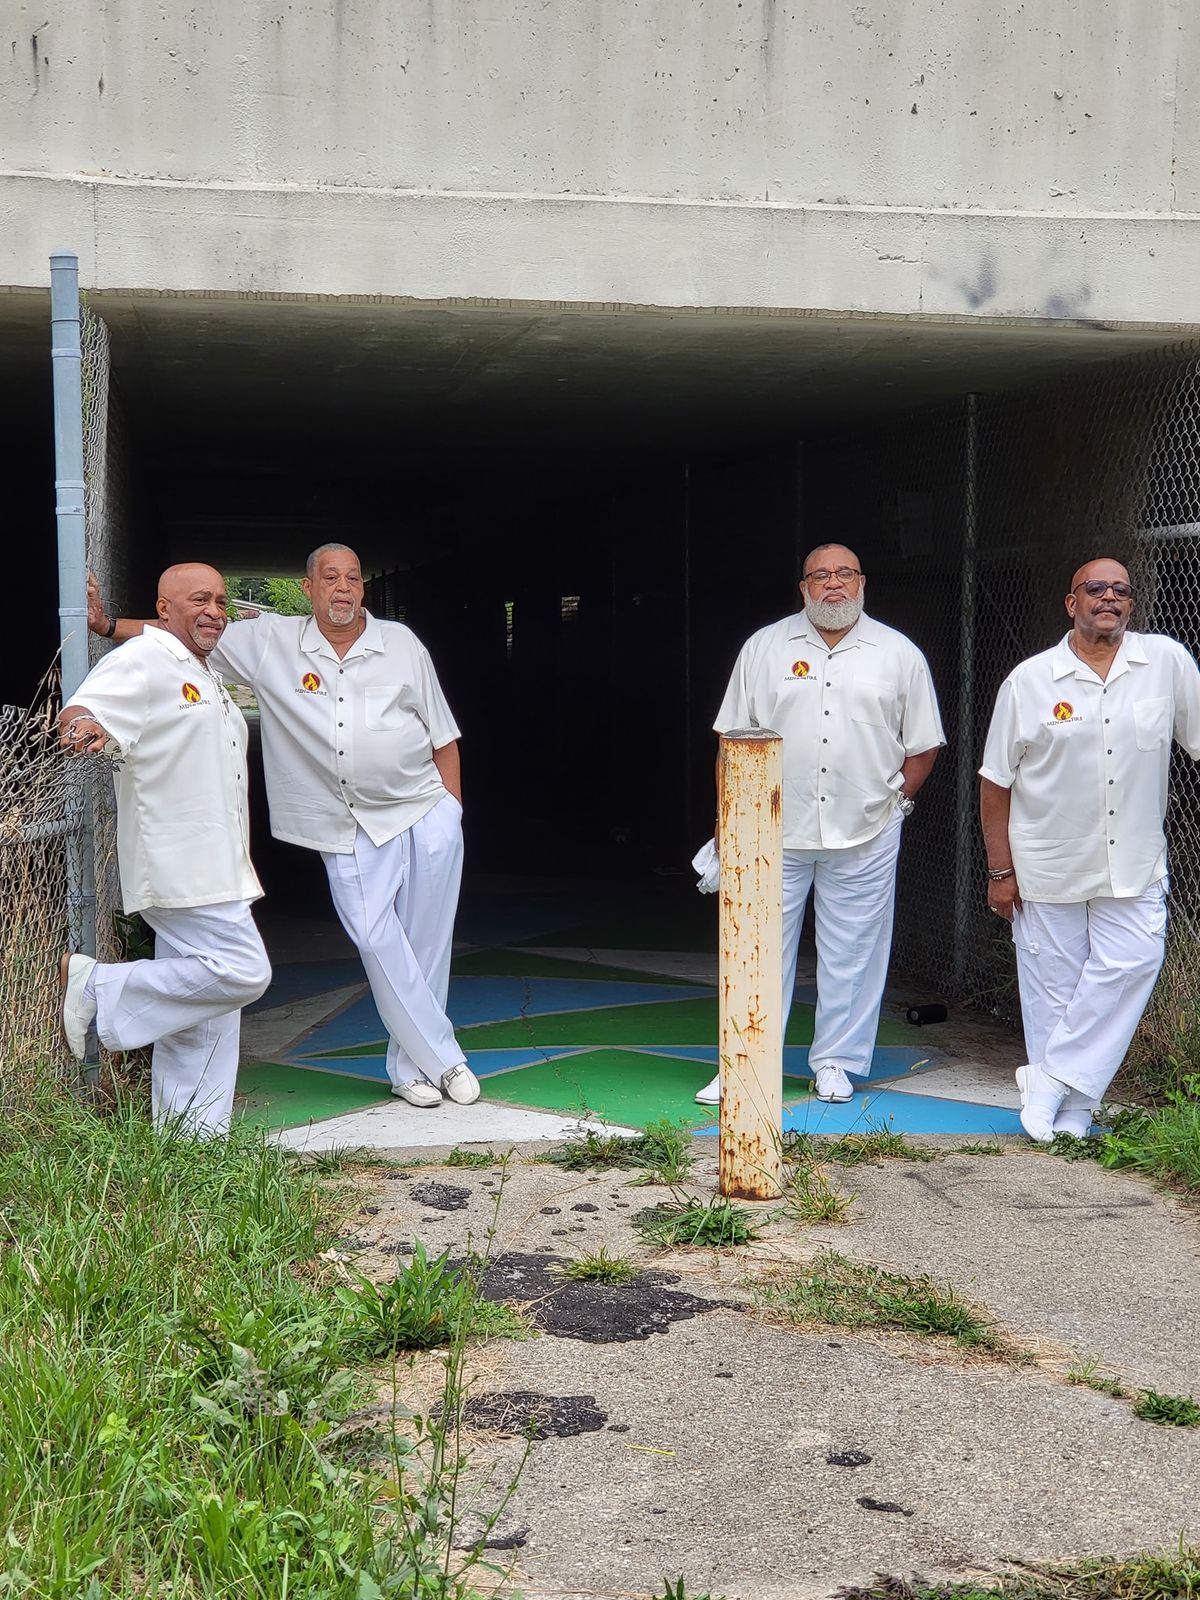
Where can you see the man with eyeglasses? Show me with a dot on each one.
(855, 704)
(1073, 795)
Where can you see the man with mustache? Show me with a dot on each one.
(855, 704)
(360, 753)
(183, 850)
(1073, 795)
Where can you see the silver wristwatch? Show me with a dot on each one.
(906, 803)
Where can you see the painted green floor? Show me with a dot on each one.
(277, 1096)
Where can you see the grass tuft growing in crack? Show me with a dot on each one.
(696, 1224)
(599, 1267)
(1169, 1410)
(875, 1144)
(835, 1291)
(1087, 1375)
(472, 1158)
(1149, 1577)
(428, 1303)
(662, 1151)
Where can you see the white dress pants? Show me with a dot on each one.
(854, 895)
(1085, 972)
(209, 962)
(397, 902)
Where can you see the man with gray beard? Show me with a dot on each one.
(855, 705)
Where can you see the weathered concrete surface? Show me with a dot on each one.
(712, 1457)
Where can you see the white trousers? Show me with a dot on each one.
(209, 962)
(854, 896)
(1085, 973)
(397, 902)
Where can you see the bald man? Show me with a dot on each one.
(1074, 792)
(179, 749)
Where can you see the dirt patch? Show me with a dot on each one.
(597, 1313)
(441, 1196)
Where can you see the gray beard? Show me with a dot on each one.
(834, 615)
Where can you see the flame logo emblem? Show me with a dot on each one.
(191, 694)
(311, 682)
(1064, 711)
(800, 669)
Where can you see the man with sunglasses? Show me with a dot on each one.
(1074, 791)
(855, 704)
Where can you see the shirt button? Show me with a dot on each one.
(1112, 841)
(1111, 814)
(1108, 719)
(825, 741)
(350, 803)
(340, 671)
(827, 713)
(341, 724)
(1110, 783)
(341, 752)
(341, 697)
(824, 769)
(343, 782)
(1108, 752)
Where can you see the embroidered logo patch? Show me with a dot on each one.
(1064, 711)
(800, 669)
(311, 682)
(191, 694)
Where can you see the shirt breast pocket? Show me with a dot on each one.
(1152, 723)
(873, 702)
(383, 707)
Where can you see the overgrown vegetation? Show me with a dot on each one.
(714, 1224)
(174, 1372)
(1164, 1143)
(873, 1143)
(1166, 1577)
(472, 1158)
(835, 1291)
(1165, 1051)
(809, 1196)
(424, 1307)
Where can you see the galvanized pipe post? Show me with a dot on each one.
(66, 355)
(966, 891)
(750, 845)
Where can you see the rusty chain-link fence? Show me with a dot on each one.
(51, 862)
(971, 519)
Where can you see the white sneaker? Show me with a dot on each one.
(1041, 1099)
(710, 1095)
(461, 1084)
(1075, 1115)
(833, 1086)
(420, 1092)
(75, 1014)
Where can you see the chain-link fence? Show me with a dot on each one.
(46, 800)
(970, 520)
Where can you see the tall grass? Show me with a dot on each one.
(172, 1373)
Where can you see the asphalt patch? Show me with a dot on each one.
(847, 1458)
(441, 1196)
(596, 1313)
(866, 1502)
(535, 1416)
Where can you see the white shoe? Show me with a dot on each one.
(1075, 1115)
(710, 1095)
(75, 1014)
(833, 1086)
(1041, 1099)
(461, 1084)
(420, 1092)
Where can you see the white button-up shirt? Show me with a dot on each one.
(183, 832)
(1087, 760)
(848, 716)
(347, 743)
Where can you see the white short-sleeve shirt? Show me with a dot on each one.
(183, 833)
(1087, 760)
(848, 716)
(346, 743)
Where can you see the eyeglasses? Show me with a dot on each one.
(822, 575)
(1095, 587)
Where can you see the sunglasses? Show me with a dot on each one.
(1094, 588)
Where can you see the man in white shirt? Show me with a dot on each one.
(855, 705)
(1073, 796)
(360, 753)
(183, 850)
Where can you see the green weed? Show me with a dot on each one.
(714, 1224)
(679, 1591)
(1087, 1375)
(471, 1158)
(834, 1290)
(1164, 1144)
(808, 1196)
(593, 1151)
(1149, 1577)
(1170, 1410)
(662, 1150)
(599, 1267)
(875, 1144)
(428, 1304)
(987, 1147)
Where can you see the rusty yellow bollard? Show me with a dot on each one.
(750, 1038)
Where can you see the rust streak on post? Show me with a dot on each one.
(750, 844)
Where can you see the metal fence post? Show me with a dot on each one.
(72, 569)
(750, 981)
(966, 889)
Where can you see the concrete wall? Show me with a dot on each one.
(1024, 157)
